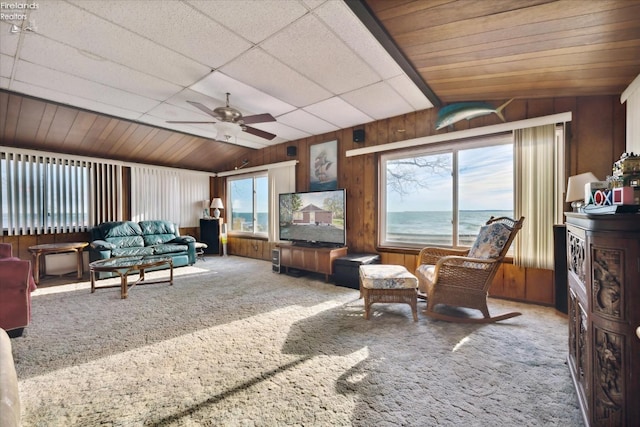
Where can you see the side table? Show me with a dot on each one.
(56, 248)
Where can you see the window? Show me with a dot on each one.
(42, 194)
(442, 195)
(248, 204)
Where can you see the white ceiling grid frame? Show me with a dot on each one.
(344, 23)
(128, 60)
(313, 50)
(243, 97)
(76, 101)
(70, 60)
(408, 90)
(195, 29)
(83, 30)
(301, 119)
(275, 78)
(36, 75)
(255, 20)
(378, 101)
(340, 113)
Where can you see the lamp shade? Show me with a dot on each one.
(216, 203)
(575, 187)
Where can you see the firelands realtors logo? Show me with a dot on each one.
(17, 12)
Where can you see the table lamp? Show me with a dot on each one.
(575, 189)
(216, 205)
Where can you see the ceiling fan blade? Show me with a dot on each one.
(179, 121)
(258, 118)
(203, 108)
(258, 132)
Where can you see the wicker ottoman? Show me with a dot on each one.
(388, 283)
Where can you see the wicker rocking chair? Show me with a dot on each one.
(462, 277)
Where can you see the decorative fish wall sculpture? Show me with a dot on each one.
(453, 113)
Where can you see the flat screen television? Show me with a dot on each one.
(313, 217)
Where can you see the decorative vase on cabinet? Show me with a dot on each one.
(603, 257)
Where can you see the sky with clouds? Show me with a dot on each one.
(485, 183)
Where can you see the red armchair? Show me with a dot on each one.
(16, 285)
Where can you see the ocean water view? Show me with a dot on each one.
(435, 227)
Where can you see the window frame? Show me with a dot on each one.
(229, 197)
(452, 147)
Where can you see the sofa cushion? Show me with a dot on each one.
(126, 242)
(136, 250)
(158, 227)
(170, 248)
(119, 229)
(157, 239)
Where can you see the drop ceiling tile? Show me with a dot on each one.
(307, 122)
(168, 111)
(379, 101)
(180, 99)
(97, 37)
(6, 66)
(338, 17)
(63, 58)
(8, 41)
(33, 74)
(245, 98)
(255, 20)
(312, 4)
(4, 82)
(195, 30)
(313, 50)
(338, 112)
(410, 92)
(199, 130)
(72, 100)
(258, 68)
(284, 132)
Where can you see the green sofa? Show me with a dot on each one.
(144, 238)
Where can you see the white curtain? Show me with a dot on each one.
(169, 194)
(536, 195)
(632, 98)
(281, 180)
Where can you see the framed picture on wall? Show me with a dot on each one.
(323, 170)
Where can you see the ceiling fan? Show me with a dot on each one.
(231, 122)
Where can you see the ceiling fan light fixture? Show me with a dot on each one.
(226, 130)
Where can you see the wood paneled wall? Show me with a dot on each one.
(596, 140)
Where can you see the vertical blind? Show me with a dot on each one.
(537, 200)
(44, 193)
(170, 194)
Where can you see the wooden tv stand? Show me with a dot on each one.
(315, 259)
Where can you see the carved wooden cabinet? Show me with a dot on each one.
(603, 257)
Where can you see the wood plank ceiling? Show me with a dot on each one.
(463, 49)
(36, 124)
(491, 50)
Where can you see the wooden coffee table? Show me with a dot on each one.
(56, 248)
(123, 266)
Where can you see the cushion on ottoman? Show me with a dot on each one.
(384, 276)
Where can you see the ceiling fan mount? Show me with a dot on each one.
(229, 114)
(231, 121)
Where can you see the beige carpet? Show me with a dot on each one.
(233, 344)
